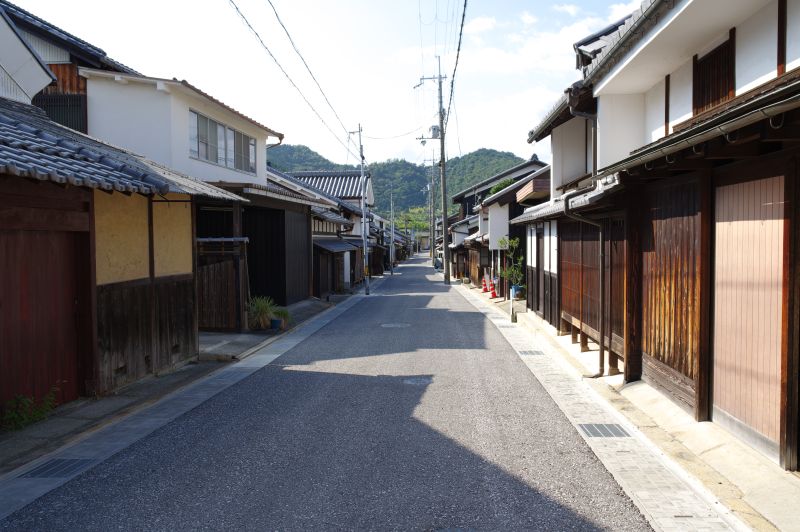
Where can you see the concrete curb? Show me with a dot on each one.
(641, 463)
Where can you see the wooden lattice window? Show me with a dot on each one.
(715, 75)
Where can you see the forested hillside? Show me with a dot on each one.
(406, 179)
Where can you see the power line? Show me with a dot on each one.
(397, 136)
(306, 65)
(275, 60)
(455, 67)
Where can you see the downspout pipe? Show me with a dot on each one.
(574, 93)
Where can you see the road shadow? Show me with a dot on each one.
(302, 450)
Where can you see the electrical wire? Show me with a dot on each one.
(455, 67)
(325, 96)
(291, 81)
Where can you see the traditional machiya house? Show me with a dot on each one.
(694, 130)
(481, 251)
(347, 186)
(64, 100)
(331, 251)
(261, 249)
(96, 249)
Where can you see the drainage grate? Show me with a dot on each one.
(58, 468)
(603, 430)
(530, 353)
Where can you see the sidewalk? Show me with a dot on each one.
(74, 420)
(737, 481)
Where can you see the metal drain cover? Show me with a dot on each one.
(603, 430)
(395, 325)
(58, 468)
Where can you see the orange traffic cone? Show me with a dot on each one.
(484, 285)
(491, 287)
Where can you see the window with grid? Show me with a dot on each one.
(214, 142)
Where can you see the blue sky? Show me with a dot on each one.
(516, 59)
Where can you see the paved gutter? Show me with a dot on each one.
(669, 497)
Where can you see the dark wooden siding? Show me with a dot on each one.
(143, 328)
(46, 334)
(298, 256)
(68, 81)
(266, 252)
(671, 247)
(715, 76)
(570, 248)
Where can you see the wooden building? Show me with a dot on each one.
(689, 172)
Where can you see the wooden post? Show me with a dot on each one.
(633, 288)
(583, 338)
(154, 354)
(790, 382)
(703, 380)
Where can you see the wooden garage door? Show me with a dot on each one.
(748, 280)
(39, 321)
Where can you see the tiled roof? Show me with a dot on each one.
(302, 184)
(515, 172)
(31, 145)
(344, 185)
(26, 19)
(620, 41)
(329, 216)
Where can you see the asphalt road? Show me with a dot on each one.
(409, 411)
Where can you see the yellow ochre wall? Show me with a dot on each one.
(121, 237)
(172, 235)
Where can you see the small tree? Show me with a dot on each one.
(513, 270)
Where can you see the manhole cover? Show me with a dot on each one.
(395, 325)
(418, 381)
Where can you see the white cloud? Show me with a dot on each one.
(480, 25)
(618, 11)
(528, 19)
(569, 9)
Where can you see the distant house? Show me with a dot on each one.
(479, 253)
(347, 186)
(96, 249)
(181, 126)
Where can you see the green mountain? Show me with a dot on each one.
(407, 180)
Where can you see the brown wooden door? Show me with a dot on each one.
(41, 276)
(748, 280)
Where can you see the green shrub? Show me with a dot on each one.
(260, 310)
(23, 410)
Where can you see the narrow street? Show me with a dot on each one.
(408, 411)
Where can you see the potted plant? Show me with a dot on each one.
(283, 315)
(513, 270)
(261, 312)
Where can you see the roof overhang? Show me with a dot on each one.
(20, 60)
(181, 86)
(577, 201)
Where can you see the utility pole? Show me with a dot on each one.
(442, 171)
(391, 249)
(364, 214)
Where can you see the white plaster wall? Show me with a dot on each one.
(792, 34)
(680, 94)
(130, 115)
(552, 265)
(458, 237)
(654, 106)
(569, 147)
(757, 49)
(21, 75)
(347, 269)
(620, 125)
(483, 225)
(498, 224)
(204, 169)
(531, 245)
(546, 237)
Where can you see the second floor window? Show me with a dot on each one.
(214, 142)
(714, 76)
